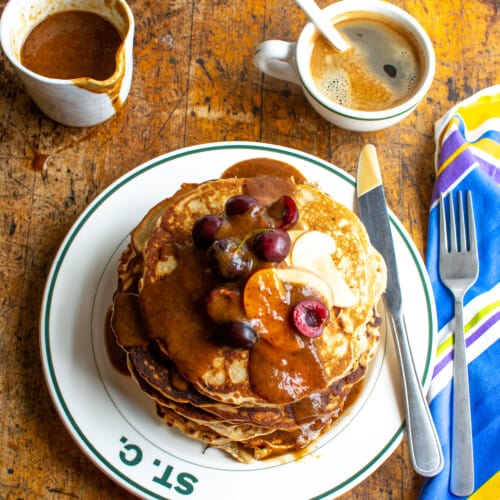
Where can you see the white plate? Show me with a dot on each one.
(115, 424)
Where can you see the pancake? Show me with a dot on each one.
(286, 388)
(223, 374)
(155, 376)
(259, 447)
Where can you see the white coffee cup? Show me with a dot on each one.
(79, 102)
(290, 61)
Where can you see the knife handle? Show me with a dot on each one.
(425, 448)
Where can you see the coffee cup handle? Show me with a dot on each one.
(276, 58)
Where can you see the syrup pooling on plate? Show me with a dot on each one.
(218, 270)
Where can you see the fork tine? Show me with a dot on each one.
(472, 225)
(443, 238)
(463, 247)
(453, 227)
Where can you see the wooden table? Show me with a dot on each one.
(194, 82)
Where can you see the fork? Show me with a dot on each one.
(458, 269)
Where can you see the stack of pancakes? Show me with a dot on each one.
(208, 391)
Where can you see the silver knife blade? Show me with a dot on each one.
(425, 448)
(372, 208)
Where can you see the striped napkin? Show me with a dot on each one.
(468, 158)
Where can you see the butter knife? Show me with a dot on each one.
(425, 448)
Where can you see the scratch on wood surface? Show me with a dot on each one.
(61, 492)
(207, 113)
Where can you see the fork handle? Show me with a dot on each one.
(425, 449)
(462, 455)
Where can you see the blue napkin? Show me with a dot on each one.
(468, 158)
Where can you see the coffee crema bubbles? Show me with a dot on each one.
(382, 68)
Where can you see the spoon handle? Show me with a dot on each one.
(310, 7)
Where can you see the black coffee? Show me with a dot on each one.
(381, 70)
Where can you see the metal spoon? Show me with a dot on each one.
(311, 8)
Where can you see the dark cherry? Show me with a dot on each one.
(235, 334)
(272, 245)
(284, 210)
(205, 229)
(224, 303)
(309, 317)
(239, 204)
(229, 260)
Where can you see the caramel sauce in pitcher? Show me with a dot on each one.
(72, 44)
(80, 46)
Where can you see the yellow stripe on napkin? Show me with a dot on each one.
(474, 114)
(487, 145)
(489, 490)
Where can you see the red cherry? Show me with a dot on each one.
(272, 245)
(309, 317)
(205, 229)
(228, 260)
(239, 204)
(285, 211)
(235, 334)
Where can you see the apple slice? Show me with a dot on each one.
(306, 278)
(312, 250)
(310, 245)
(294, 234)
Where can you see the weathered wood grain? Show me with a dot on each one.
(194, 82)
